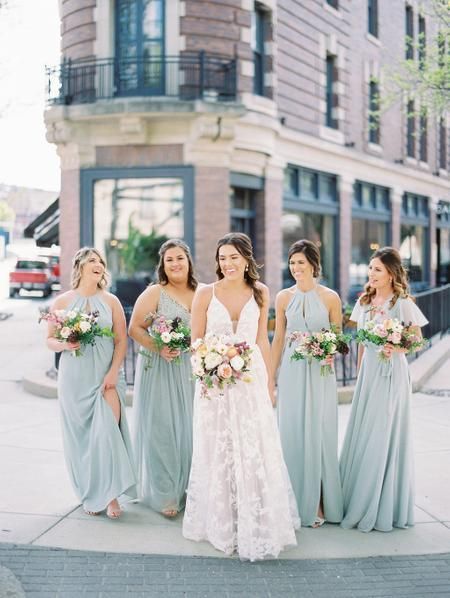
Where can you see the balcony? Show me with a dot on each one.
(198, 76)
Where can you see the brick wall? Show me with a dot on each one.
(69, 223)
(212, 217)
(78, 28)
(138, 155)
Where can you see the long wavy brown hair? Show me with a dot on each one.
(80, 259)
(244, 246)
(391, 260)
(192, 281)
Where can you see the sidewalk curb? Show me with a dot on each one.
(421, 370)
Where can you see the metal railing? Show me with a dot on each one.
(191, 76)
(434, 303)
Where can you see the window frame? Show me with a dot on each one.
(372, 17)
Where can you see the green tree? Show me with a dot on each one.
(424, 78)
(7, 214)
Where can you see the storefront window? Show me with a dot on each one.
(443, 243)
(367, 237)
(413, 250)
(317, 228)
(130, 215)
(242, 211)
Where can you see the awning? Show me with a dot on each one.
(45, 228)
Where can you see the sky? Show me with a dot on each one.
(29, 39)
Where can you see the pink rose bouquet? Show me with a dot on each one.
(165, 332)
(76, 326)
(389, 331)
(217, 362)
(319, 346)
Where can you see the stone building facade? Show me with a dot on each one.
(195, 117)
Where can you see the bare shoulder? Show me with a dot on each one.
(63, 301)
(204, 292)
(284, 296)
(328, 295)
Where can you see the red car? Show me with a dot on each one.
(34, 274)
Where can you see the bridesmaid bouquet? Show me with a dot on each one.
(389, 331)
(217, 362)
(319, 346)
(76, 326)
(169, 333)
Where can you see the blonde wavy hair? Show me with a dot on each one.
(80, 259)
(391, 260)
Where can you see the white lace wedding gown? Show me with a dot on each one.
(239, 496)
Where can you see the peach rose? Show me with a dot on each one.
(232, 351)
(224, 371)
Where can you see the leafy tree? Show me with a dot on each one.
(7, 214)
(424, 77)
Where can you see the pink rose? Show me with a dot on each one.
(224, 371)
(394, 338)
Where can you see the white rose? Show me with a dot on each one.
(85, 326)
(165, 337)
(237, 363)
(65, 332)
(199, 371)
(71, 314)
(212, 360)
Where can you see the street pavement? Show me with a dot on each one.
(54, 549)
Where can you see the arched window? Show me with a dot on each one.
(140, 47)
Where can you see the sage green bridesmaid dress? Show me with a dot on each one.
(377, 468)
(307, 417)
(97, 450)
(162, 416)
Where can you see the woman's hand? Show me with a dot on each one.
(329, 361)
(68, 346)
(110, 381)
(169, 354)
(272, 393)
(389, 349)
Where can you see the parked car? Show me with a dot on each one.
(34, 274)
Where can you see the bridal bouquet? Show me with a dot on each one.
(217, 362)
(319, 346)
(389, 331)
(75, 326)
(165, 332)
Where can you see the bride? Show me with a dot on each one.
(239, 496)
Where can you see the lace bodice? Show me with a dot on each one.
(218, 320)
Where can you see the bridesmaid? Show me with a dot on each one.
(307, 401)
(164, 392)
(377, 460)
(91, 391)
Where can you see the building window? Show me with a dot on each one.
(409, 31)
(140, 46)
(372, 10)
(422, 39)
(371, 213)
(258, 37)
(410, 129)
(242, 211)
(310, 209)
(331, 96)
(442, 144)
(443, 243)
(414, 238)
(374, 118)
(333, 3)
(423, 145)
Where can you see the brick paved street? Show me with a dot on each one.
(50, 573)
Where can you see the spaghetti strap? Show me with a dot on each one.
(214, 289)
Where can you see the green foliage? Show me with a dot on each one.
(424, 79)
(7, 214)
(140, 252)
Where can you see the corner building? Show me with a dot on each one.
(192, 118)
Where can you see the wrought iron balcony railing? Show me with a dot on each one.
(188, 77)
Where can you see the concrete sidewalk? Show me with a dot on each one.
(38, 507)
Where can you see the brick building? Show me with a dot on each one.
(196, 117)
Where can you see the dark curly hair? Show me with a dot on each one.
(244, 246)
(310, 251)
(391, 260)
(161, 273)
